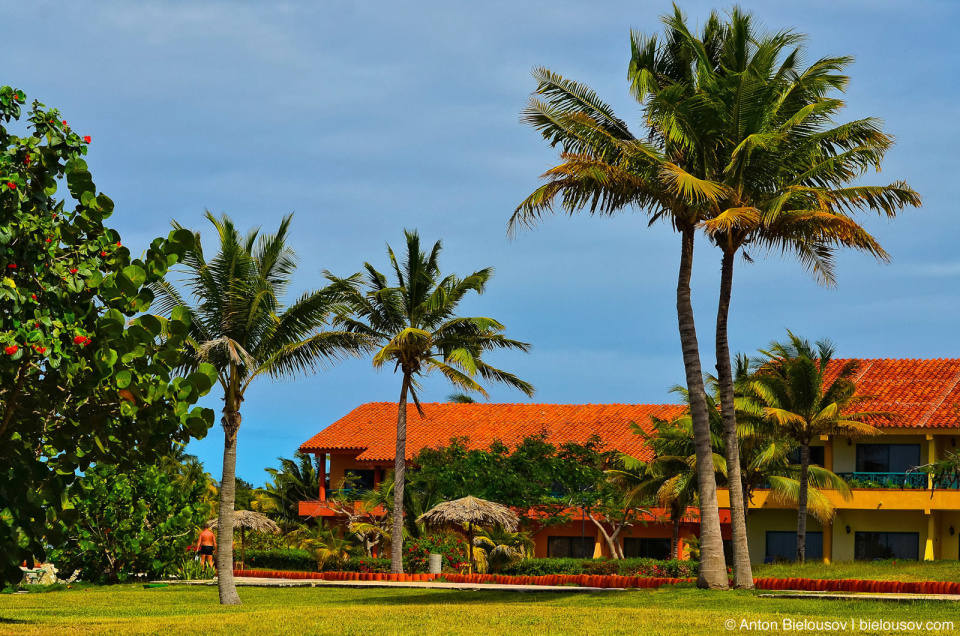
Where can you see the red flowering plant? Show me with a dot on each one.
(61, 409)
(452, 549)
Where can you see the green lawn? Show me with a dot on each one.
(867, 570)
(182, 610)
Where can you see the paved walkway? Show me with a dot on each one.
(834, 596)
(252, 581)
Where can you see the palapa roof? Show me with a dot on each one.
(470, 510)
(922, 394)
(250, 520)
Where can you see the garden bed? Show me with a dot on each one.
(626, 582)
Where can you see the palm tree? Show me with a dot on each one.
(606, 169)
(671, 477)
(743, 142)
(805, 395)
(784, 167)
(240, 325)
(297, 479)
(414, 323)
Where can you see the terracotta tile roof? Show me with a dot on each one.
(922, 393)
(372, 427)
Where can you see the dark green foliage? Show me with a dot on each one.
(292, 560)
(82, 379)
(365, 564)
(624, 567)
(126, 524)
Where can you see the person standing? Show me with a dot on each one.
(206, 546)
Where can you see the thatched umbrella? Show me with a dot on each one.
(466, 514)
(244, 519)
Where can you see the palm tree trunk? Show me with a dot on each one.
(713, 569)
(228, 483)
(802, 502)
(742, 572)
(675, 537)
(399, 471)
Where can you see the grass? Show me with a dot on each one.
(867, 570)
(183, 610)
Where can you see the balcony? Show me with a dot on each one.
(885, 480)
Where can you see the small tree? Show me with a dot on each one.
(141, 522)
(84, 377)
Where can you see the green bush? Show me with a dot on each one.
(289, 560)
(626, 567)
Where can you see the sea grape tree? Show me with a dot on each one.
(85, 376)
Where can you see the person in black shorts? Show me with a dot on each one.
(206, 545)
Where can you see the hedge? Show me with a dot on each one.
(624, 567)
(287, 560)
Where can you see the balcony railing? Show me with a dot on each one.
(912, 481)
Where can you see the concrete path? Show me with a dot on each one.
(252, 581)
(835, 596)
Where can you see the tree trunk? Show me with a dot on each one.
(713, 569)
(228, 483)
(611, 541)
(742, 572)
(802, 502)
(675, 536)
(399, 471)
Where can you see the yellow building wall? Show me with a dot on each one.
(879, 521)
(761, 521)
(845, 457)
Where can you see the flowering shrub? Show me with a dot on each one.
(453, 550)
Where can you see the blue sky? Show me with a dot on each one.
(367, 118)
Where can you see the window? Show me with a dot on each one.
(816, 456)
(570, 547)
(362, 479)
(868, 546)
(783, 545)
(887, 458)
(634, 547)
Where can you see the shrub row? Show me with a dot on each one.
(292, 560)
(625, 567)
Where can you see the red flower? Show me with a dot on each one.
(73, 271)
(37, 325)
(26, 160)
(103, 253)
(11, 185)
(118, 243)
(11, 350)
(86, 139)
(47, 240)
(33, 296)
(12, 266)
(40, 349)
(65, 123)
(79, 339)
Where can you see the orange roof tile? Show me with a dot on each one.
(922, 393)
(372, 427)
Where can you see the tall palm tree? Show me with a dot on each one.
(240, 325)
(804, 395)
(741, 142)
(414, 323)
(784, 167)
(606, 169)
